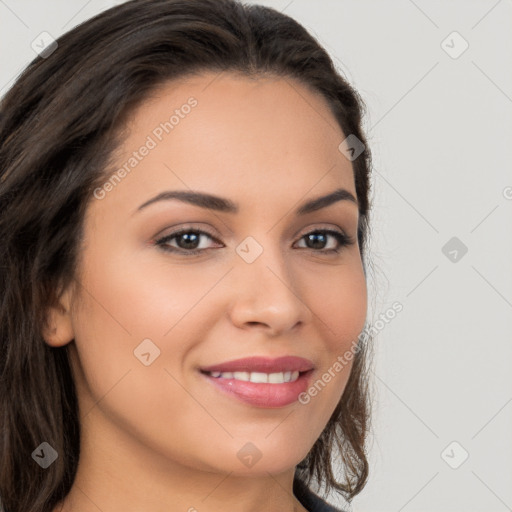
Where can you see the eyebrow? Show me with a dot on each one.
(221, 204)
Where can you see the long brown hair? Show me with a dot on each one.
(59, 126)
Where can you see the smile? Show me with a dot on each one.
(258, 377)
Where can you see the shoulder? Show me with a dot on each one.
(310, 500)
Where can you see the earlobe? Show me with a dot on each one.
(58, 329)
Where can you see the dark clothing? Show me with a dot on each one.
(310, 500)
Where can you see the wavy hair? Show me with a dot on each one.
(60, 124)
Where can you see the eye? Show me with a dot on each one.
(321, 236)
(187, 241)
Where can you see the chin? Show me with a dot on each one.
(268, 458)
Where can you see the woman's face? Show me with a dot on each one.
(153, 311)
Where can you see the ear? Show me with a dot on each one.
(58, 329)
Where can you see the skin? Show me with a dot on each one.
(162, 436)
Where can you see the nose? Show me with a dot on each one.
(268, 296)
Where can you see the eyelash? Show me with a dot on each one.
(342, 239)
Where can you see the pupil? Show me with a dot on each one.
(314, 237)
(187, 236)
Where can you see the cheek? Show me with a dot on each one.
(341, 306)
(124, 303)
(118, 310)
(126, 299)
(341, 311)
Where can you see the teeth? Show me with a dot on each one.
(241, 375)
(259, 377)
(278, 378)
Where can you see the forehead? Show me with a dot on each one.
(227, 132)
(237, 110)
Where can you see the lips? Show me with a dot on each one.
(287, 377)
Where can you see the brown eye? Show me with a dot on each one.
(187, 241)
(316, 240)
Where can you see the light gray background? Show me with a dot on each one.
(441, 135)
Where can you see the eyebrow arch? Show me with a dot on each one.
(220, 204)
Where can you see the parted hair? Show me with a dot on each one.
(60, 124)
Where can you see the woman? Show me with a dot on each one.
(184, 216)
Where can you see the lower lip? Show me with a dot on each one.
(262, 394)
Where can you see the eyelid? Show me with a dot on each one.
(161, 240)
(330, 229)
(187, 227)
(299, 234)
(322, 226)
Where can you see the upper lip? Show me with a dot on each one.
(263, 364)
